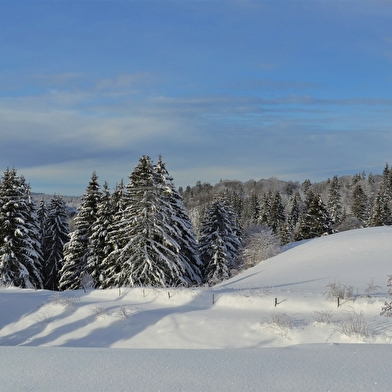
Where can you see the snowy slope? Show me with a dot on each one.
(131, 333)
(352, 258)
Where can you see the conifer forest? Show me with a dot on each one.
(145, 232)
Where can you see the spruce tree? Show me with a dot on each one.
(115, 239)
(334, 202)
(386, 184)
(20, 246)
(56, 235)
(76, 251)
(316, 221)
(266, 205)
(217, 267)
(219, 243)
(236, 199)
(100, 245)
(180, 222)
(148, 247)
(294, 212)
(252, 209)
(276, 214)
(359, 204)
(381, 214)
(33, 226)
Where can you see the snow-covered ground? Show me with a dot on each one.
(272, 328)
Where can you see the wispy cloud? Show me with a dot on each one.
(125, 81)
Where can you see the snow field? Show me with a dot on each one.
(191, 319)
(229, 337)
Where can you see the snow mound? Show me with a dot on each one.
(352, 258)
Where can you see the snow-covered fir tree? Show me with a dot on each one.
(100, 245)
(295, 210)
(20, 246)
(219, 243)
(56, 235)
(179, 220)
(33, 226)
(252, 209)
(359, 203)
(115, 239)
(386, 184)
(217, 267)
(276, 216)
(76, 251)
(334, 202)
(316, 221)
(147, 243)
(236, 199)
(381, 214)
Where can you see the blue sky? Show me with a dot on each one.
(221, 89)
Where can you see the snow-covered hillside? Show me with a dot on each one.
(279, 303)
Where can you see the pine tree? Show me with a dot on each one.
(100, 245)
(33, 226)
(359, 205)
(252, 209)
(276, 216)
(148, 248)
(76, 251)
(20, 247)
(219, 243)
(334, 202)
(217, 268)
(295, 211)
(381, 214)
(316, 221)
(56, 235)
(179, 220)
(285, 234)
(306, 185)
(265, 211)
(386, 184)
(115, 238)
(236, 199)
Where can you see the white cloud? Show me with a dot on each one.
(124, 81)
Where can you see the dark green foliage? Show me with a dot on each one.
(252, 208)
(295, 211)
(76, 251)
(334, 203)
(20, 244)
(56, 235)
(316, 221)
(265, 211)
(220, 242)
(152, 241)
(381, 214)
(359, 205)
(276, 214)
(100, 245)
(178, 217)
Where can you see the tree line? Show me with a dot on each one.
(148, 233)
(138, 235)
(295, 211)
